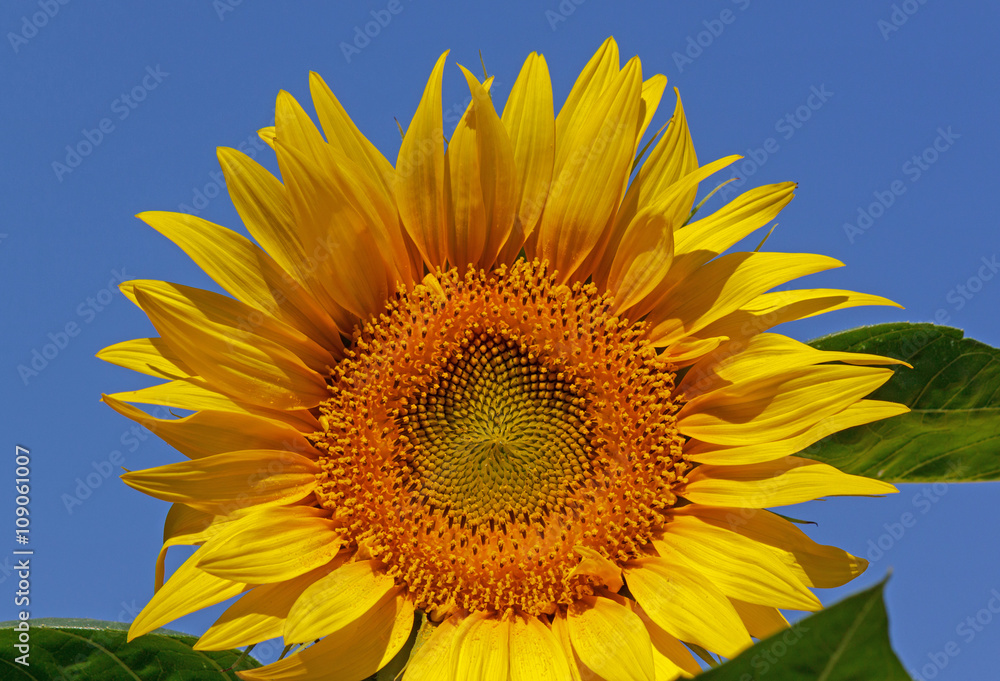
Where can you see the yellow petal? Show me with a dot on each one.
(497, 172)
(354, 169)
(699, 242)
(336, 212)
(262, 203)
(816, 565)
(213, 432)
(267, 134)
(189, 526)
(775, 483)
(686, 606)
(776, 407)
(151, 356)
(765, 354)
(251, 368)
(480, 649)
(183, 526)
(671, 658)
(467, 213)
(420, 174)
(652, 93)
(535, 653)
(338, 600)
(642, 260)
(595, 78)
(690, 349)
(245, 271)
(186, 525)
(350, 654)
(610, 640)
(240, 320)
(529, 119)
(343, 135)
(671, 159)
(259, 614)
(770, 309)
(592, 160)
(222, 483)
(294, 129)
(859, 413)
(432, 661)
(338, 207)
(187, 590)
(594, 564)
(560, 627)
(704, 239)
(195, 394)
(738, 566)
(725, 284)
(761, 621)
(272, 545)
(672, 206)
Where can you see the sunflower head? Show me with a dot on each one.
(511, 391)
(518, 423)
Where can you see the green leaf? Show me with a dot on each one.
(845, 642)
(92, 650)
(953, 390)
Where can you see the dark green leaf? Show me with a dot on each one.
(845, 642)
(91, 650)
(953, 390)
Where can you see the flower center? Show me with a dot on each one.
(486, 426)
(497, 433)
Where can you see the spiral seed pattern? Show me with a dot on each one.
(485, 426)
(498, 433)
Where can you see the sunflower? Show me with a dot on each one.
(502, 410)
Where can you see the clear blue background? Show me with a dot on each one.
(66, 235)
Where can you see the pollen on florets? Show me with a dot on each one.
(487, 423)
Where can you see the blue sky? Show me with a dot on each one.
(885, 113)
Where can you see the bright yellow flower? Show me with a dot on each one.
(498, 392)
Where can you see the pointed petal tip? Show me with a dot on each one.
(225, 152)
(469, 76)
(135, 631)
